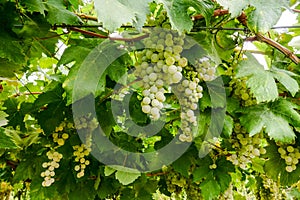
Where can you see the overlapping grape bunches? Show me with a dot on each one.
(59, 136)
(246, 147)
(88, 124)
(162, 69)
(291, 156)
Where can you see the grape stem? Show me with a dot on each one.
(108, 37)
(284, 50)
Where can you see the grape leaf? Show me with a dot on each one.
(286, 80)
(35, 6)
(210, 189)
(126, 178)
(108, 171)
(3, 120)
(262, 19)
(11, 49)
(287, 110)
(235, 7)
(58, 14)
(6, 142)
(115, 13)
(228, 126)
(182, 165)
(260, 81)
(258, 117)
(90, 78)
(177, 12)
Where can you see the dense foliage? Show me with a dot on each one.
(148, 100)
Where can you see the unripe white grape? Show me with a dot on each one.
(172, 69)
(256, 152)
(146, 109)
(146, 93)
(188, 92)
(149, 70)
(154, 111)
(290, 149)
(153, 89)
(159, 83)
(190, 113)
(153, 77)
(160, 96)
(289, 168)
(192, 85)
(146, 101)
(182, 62)
(176, 78)
(170, 60)
(155, 103)
(177, 49)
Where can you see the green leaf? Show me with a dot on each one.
(6, 142)
(235, 7)
(210, 189)
(260, 81)
(11, 49)
(109, 171)
(259, 117)
(228, 126)
(58, 14)
(115, 13)
(126, 178)
(3, 120)
(286, 80)
(262, 19)
(35, 6)
(182, 165)
(90, 78)
(287, 110)
(178, 15)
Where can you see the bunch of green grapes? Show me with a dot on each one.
(80, 153)
(174, 180)
(161, 69)
(246, 147)
(160, 65)
(290, 154)
(193, 191)
(53, 163)
(87, 124)
(240, 90)
(188, 93)
(159, 18)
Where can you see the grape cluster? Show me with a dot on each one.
(291, 155)
(206, 69)
(174, 180)
(49, 173)
(159, 18)
(80, 152)
(246, 147)
(189, 93)
(193, 191)
(160, 65)
(86, 122)
(59, 136)
(241, 91)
